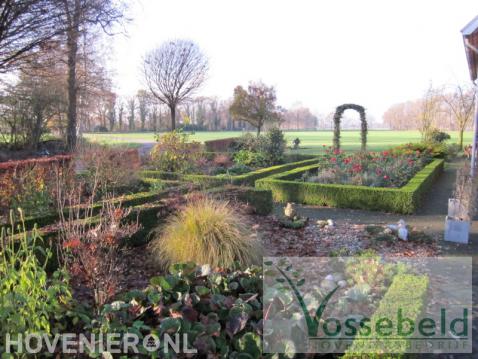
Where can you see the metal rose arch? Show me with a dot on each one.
(337, 118)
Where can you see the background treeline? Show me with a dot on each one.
(449, 108)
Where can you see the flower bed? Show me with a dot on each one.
(406, 199)
(390, 169)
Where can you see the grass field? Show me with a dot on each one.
(311, 141)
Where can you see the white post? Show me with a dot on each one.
(475, 138)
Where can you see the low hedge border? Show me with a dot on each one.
(259, 199)
(129, 200)
(404, 200)
(214, 181)
(407, 292)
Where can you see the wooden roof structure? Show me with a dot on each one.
(470, 39)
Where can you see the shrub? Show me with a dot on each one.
(436, 150)
(250, 158)
(31, 184)
(174, 153)
(90, 245)
(207, 232)
(296, 143)
(437, 136)
(31, 302)
(250, 142)
(275, 146)
(106, 169)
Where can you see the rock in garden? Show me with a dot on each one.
(321, 223)
(330, 223)
(290, 211)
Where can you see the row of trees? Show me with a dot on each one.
(448, 108)
(47, 46)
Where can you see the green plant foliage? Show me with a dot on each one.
(174, 152)
(436, 150)
(220, 312)
(437, 136)
(244, 179)
(400, 200)
(207, 232)
(30, 301)
(407, 293)
(250, 158)
(275, 146)
(296, 143)
(296, 223)
(260, 200)
(338, 117)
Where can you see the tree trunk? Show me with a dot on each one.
(172, 108)
(259, 130)
(36, 135)
(72, 46)
(461, 138)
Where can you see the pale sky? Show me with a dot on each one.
(320, 53)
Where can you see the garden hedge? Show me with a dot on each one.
(129, 200)
(259, 199)
(407, 292)
(215, 181)
(405, 200)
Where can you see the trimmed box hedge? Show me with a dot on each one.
(405, 200)
(130, 200)
(407, 293)
(247, 179)
(259, 199)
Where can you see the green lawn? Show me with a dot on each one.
(311, 141)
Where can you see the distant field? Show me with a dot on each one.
(311, 141)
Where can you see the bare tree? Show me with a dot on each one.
(461, 103)
(429, 108)
(174, 71)
(24, 26)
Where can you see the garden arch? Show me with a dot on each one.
(337, 118)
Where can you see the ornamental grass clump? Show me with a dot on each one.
(207, 231)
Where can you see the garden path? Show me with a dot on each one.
(430, 219)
